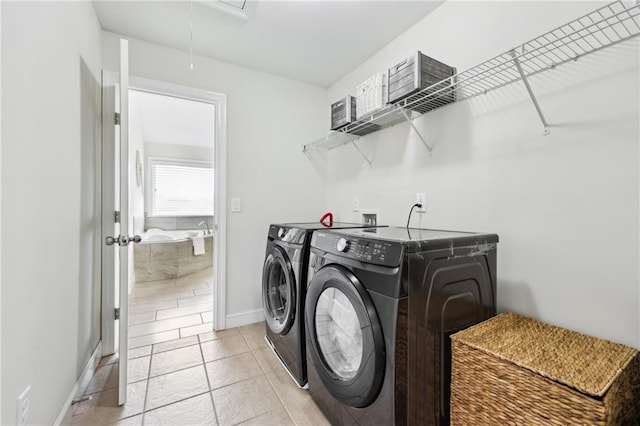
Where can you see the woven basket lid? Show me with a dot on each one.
(583, 362)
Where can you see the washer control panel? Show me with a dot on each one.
(380, 252)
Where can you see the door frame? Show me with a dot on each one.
(219, 100)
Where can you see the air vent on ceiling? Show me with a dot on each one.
(238, 8)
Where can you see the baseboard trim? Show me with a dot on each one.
(83, 380)
(244, 318)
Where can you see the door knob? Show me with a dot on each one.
(122, 240)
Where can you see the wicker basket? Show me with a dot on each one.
(512, 370)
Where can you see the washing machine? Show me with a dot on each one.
(284, 279)
(381, 304)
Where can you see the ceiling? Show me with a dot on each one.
(317, 42)
(169, 120)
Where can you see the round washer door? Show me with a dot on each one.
(278, 291)
(346, 344)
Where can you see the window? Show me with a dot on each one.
(180, 188)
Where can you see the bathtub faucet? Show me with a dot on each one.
(205, 227)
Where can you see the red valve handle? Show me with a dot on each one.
(327, 217)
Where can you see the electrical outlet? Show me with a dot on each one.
(421, 198)
(356, 204)
(23, 407)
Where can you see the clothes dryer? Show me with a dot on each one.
(284, 280)
(380, 306)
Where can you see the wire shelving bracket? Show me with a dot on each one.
(604, 27)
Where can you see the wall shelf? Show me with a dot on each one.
(604, 27)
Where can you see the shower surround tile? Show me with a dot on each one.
(155, 271)
(141, 252)
(169, 250)
(191, 264)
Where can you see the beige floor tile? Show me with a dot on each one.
(155, 284)
(257, 327)
(171, 289)
(268, 361)
(195, 299)
(296, 401)
(196, 329)
(222, 348)
(193, 411)
(177, 359)
(162, 297)
(138, 369)
(103, 407)
(255, 340)
(244, 400)
(151, 339)
(213, 335)
(185, 310)
(164, 325)
(207, 316)
(202, 291)
(142, 317)
(303, 411)
(151, 306)
(173, 387)
(233, 369)
(109, 359)
(138, 352)
(285, 387)
(105, 377)
(147, 288)
(129, 421)
(192, 286)
(277, 417)
(206, 275)
(175, 344)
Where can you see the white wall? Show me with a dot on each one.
(51, 57)
(268, 117)
(566, 206)
(0, 210)
(185, 152)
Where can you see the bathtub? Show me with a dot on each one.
(164, 255)
(155, 235)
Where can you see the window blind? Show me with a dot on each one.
(181, 190)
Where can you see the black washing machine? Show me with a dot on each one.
(284, 279)
(380, 306)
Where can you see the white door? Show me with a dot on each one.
(115, 277)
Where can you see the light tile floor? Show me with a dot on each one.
(182, 373)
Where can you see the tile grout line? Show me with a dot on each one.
(146, 391)
(277, 394)
(159, 307)
(206, 373)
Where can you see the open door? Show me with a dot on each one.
(115, 223)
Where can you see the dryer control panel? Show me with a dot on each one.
(379, 252)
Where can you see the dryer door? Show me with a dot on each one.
(278, 291)
(345, 341)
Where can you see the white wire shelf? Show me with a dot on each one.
(604, 27)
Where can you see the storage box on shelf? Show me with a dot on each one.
(371, 95)
(343, 113)
(420, 74)
(516, 370)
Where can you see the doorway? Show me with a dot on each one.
(177, 143)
